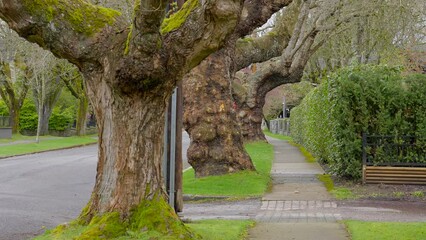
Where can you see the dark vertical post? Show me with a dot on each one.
(364, 155)
(179, 163)
(172, 192)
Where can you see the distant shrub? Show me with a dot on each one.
(61, 120)
(28, 119)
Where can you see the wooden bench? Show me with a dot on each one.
(394, 175)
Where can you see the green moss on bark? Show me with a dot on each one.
(82, 17)
(176, 20)
(151, 219)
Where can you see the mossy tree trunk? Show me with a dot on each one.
(210, 115)
(130, 147)
(130, 73)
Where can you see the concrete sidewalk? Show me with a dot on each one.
(299, 206)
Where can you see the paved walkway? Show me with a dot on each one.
(299, 206)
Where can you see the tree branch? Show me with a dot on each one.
(256, 13)
(145, 34)
(68, 28)
(255, 50)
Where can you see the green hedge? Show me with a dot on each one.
(28, 119)
(61, 120)
(377, 100)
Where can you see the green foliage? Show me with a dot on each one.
(242, 184)
(29, 118)
(360, 230)
(377, 100)
(4, 111)
(60, 120)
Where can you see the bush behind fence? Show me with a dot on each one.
(378, 100)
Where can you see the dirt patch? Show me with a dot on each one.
(414, 193)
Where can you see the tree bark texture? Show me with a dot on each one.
(249, 117)
(77, 88)
(130, 73)
(130, 148)
(209, 118)
(83, 108)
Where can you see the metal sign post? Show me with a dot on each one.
(172, 158)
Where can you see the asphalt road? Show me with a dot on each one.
(43, 190)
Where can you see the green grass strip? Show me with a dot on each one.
(19, 137)
(242, 184)
(222, 229)
(360, 230)
(45, 144)
(308, 156)
(339, 193)
(277, 136)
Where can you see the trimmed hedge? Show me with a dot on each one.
(28, 119)
(378, 100)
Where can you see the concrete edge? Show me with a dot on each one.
(193, 197)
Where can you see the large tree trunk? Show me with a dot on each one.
(83, 107)
(130, 139)
(129, 177)
(250, 115)
(209, 118)
(130, 73)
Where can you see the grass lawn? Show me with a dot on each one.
(242, 184)
(360, 230)
(277, 136)
(19, 137)
(221, 229)
(46, 143)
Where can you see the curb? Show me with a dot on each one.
(50, 150)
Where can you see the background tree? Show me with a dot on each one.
(294, 93)
(15, 76)
(209, 117)
(388, 35)
(324, 22)
(74, 82)
(130, 71)
(46, 87)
